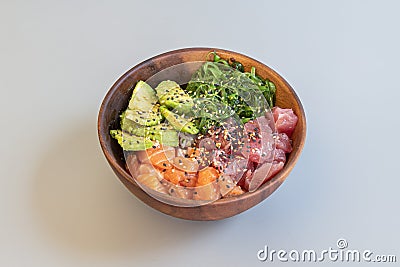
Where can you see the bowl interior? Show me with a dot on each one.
(117, 100)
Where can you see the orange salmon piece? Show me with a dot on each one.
(174, 175)
(207, 176)
(160, 157)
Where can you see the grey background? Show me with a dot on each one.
(60, 203)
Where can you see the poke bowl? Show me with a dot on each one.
(201, 133)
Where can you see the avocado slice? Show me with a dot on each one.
(179, 122)
(174, 97)
(131, 142)
(146, 118)
(143, 97)
(164, 133)
(143, 108)
(167, 138)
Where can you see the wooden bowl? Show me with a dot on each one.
(117, 100)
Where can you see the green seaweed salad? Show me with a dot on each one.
(225, 82)
(218, 90)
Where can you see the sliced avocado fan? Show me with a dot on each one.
(141, 121)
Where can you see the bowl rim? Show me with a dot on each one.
(222, 201)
